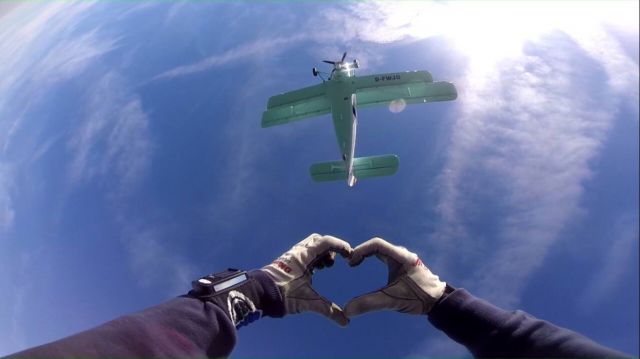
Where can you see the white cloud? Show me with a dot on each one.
(39, 50)
(258, 48)
(70, 57)
(113, 146)
(622, 71)
(7, 212)
(110, 144)
(6, 7)
(35, 61)
(174, 10)
(615, 263)
(153, 260)
(532, 126)
(15, 286)
(529, 121)
(22, 40)
(113, 141)
(137, 8)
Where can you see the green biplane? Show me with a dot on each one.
(339, 94)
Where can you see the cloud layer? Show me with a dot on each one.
(527, 127)
(528, 120)
(7, 212)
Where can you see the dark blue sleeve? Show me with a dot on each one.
(184, 327)
(180, 328)
(488, 331)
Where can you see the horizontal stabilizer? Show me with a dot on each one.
(328, 171)
(363, 167)
(375, 166)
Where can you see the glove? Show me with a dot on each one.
(292, 273)
(411, 288)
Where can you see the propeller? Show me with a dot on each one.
(337, 65)
(334, 63)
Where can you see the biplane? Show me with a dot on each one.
(339, 95)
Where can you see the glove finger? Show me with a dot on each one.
(323, 244)
(328, 259)
(370, 302)
(325, 261)
(383, 250)
(308, 239)
(307, 299)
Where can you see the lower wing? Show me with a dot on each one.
(296, 105)
(411, 87)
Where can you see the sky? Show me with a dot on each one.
(132, 161)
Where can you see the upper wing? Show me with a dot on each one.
(410, 86)
(296, 105)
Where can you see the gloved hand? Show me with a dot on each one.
(411, 288)
(292, 273)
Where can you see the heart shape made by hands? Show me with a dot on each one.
(411, 287)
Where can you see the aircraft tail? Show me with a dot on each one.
(363, 167)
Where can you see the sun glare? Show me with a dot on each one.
(492, 30)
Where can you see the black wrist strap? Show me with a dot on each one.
(236, 293)
(243, 296)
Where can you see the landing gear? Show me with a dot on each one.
(356, 64)
(315, 72)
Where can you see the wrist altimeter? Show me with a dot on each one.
(216, 283)
(231, 291)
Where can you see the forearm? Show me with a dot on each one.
(182, 327)
(488, 331)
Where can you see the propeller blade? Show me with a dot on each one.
(343, 56)
(329, 62)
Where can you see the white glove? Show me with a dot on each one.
(411, 288)
(292, 274)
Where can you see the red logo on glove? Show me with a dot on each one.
(285, 268)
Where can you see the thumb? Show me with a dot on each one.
(370, 302)
(306, 299)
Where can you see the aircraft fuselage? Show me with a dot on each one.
(343, 110)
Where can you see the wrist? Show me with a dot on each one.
(271, 300)
(243, 296)
(448, 289)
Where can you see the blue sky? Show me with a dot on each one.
(132, 161)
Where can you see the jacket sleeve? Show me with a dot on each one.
(488, 331)
(180, 328)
